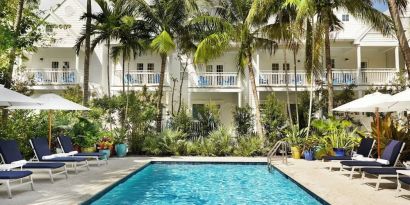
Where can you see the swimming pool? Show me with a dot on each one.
(206, 183)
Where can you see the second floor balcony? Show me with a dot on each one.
(138, 78)
(51, 77)
(214, 80)
(340, 77)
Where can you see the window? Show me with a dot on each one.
(54, 64)
(209, 68)
(66, 64)
(363, 64)
(345, 17)
(150, 67)
(140, 66)
(275, 66)
(333, 63)
(219, 68)
(49, 28)
(286, 66)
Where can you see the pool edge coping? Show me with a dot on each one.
(100, 193)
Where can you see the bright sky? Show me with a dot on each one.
(380, 6)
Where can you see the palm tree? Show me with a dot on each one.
(396, 7)
(235, 22)
(87, 55)
(103, 28)
(166, 20)
(325, 16)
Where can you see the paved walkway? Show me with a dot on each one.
(331, 186)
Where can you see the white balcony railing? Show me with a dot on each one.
(343, 77)
(214, 80)
(137, 78)
(49, 77)
(280, 78)
(378, 77)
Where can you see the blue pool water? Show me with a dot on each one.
(207, 184)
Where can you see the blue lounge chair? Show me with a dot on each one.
(386, 172)
(391, 154)
(402, 181)
(8, 177)
(365, 148)
(67, 146)
(41, 151)
(9, 153)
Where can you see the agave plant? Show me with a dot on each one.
(342, 138)
(295, 135)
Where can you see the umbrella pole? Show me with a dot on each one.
(378, 131)
(49, 129)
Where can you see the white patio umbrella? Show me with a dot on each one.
(11, 98)
(375, 102)
(398, 103)
(51, 102)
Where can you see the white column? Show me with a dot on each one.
(167, 102)
(257, 69)
(397, 58)
(77, 68)
(167, 78)
(189, 101)
(359, 62)
(239, 99)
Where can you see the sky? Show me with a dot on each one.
(380, 6)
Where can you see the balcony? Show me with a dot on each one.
(214, 80)
(137, 78)
(268, 78)
(50, 77)
(340, 77)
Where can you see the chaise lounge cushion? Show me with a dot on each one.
(405, 180)
(43, 165)
(382, 171)
(14, 174)
(94, 154)
(41, 148)
(361, 164)
(67, 146)
(64, 159)
(329, 158)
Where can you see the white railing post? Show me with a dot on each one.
(359, 65)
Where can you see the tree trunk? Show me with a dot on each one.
(123, 70)
(8, 75)
(174, 80)
(181, 85)
(86, 96)
(400, 33)
(296, 86)
(108, 67)
(160, 91)
(285, 67)
(309, 66)
(328, 62)
(255, 97)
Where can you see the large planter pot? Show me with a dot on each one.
(88, 149)
(106, 152)
(339, 152)
(295, 152)
(309, 155)
(121, 150)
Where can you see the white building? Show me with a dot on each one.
(360, 56)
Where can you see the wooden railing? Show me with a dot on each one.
(49, 77)
(137, 78)
(214, 80)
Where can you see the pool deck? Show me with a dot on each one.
(333, 187)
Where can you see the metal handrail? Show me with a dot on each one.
(284, 151)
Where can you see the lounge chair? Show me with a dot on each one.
(389, 158)
(42, 153)
(386, 172)
(67, 147)
(7, 177)
(10, 153)
(365, 149)
(403, 180)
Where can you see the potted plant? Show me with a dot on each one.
(105, 146)
(341, 140)
(120, 135)
(309, 146)
(294, 136)
(87, 142)
(85, 134)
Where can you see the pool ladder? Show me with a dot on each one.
(283, 148)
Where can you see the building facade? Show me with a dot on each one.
(360, 56)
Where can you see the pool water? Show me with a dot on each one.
(207, 184)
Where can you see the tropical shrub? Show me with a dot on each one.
(295, 136)
(273, 118)
(249, 146)
(244, 120)
(208, 117)
(182, 121)
(221, 140)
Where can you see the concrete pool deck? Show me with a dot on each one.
(331, 186)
